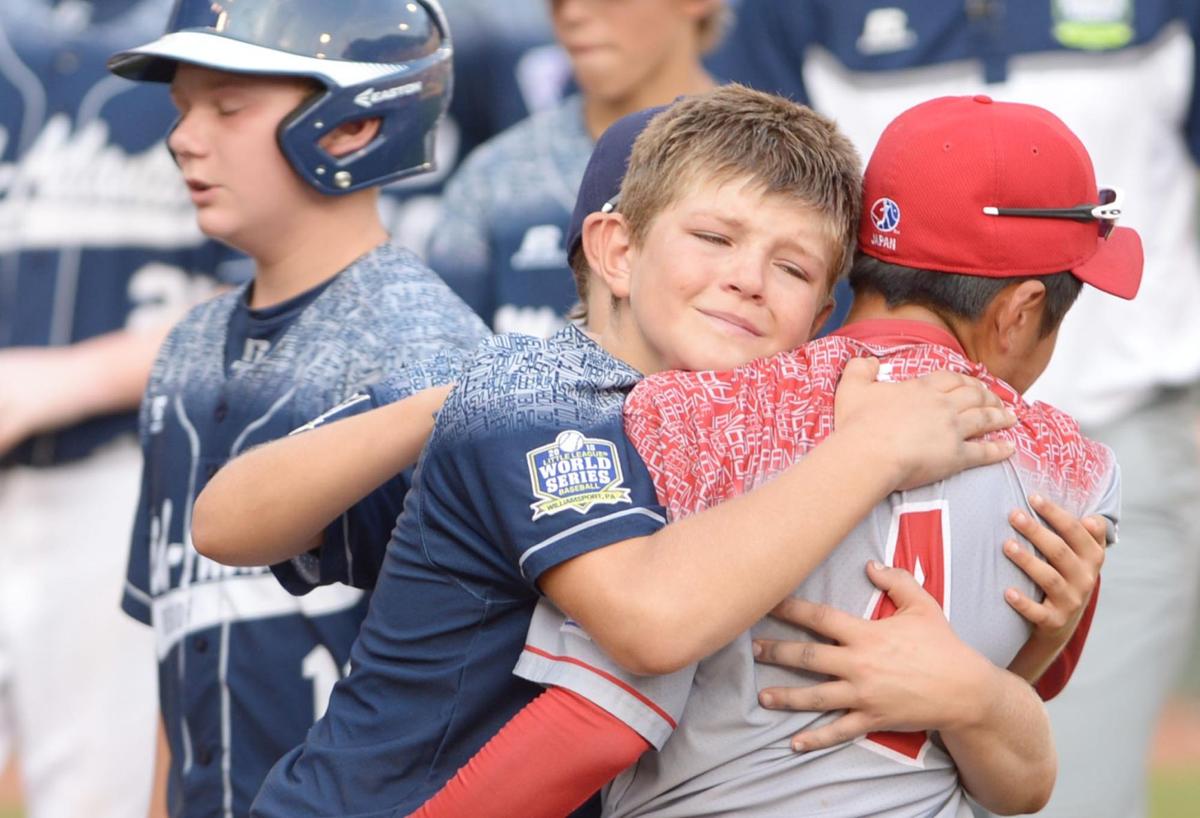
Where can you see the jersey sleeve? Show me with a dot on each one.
(354, 545)
(521, 497)
(558, 653)
(1108, 502)
(459, 249)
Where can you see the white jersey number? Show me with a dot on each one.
(322, 670)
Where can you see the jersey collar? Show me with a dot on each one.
(896, 331)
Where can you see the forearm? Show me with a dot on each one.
(1035, 658)
(273, 502)
(112, 369)
(162, 768)
(1005, 756)
(653, 609)
(1048, 663)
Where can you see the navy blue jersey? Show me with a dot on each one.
(771, 38)
(245, 667)
(505, 67)
(527, 467)
(501, 241)
(96, 230)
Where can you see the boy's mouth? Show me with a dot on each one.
(733, 323)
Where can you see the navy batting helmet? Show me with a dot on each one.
(374, 58)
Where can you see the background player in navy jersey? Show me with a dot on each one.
(99, 252)
(499, 243)
(504, 69)
(1137, 390)
(291, 116)
(522, 476)
(709, 436)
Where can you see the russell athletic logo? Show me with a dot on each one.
(885, 215)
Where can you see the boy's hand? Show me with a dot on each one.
(925, 428)
(907, 672)
(1074, 550)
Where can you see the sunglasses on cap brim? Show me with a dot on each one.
(1105, 214)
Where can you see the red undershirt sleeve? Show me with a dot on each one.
(1059, 673)
(550, 758)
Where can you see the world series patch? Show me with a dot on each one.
(575, 472)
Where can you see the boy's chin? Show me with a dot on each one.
(722, 356)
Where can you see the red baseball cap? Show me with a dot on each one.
(997, 189)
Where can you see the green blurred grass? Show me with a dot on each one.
(1175, 793)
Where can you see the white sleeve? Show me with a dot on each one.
(559, 653)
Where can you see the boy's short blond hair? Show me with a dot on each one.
(734, 132)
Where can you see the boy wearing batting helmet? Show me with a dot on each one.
(291, 114)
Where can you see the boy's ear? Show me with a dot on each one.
(822, 316)
(1018, 314)
(350, 137)
(606, 242)
(699, 9)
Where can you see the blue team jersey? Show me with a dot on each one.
(527, 467)
(245, 667)
(500, 243)
(505, 67)
(772, 38)
(96, 230)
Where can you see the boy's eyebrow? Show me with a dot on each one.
(732, 221)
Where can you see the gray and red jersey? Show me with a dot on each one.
(709, 436)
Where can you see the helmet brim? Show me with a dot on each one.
(156, 61)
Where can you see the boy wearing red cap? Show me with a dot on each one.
(982, 221)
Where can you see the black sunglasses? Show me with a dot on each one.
(1105, 213)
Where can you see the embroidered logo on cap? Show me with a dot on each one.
(885, 215)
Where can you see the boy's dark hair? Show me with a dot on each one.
(956, 295)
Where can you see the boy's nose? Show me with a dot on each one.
(182, 140)
(746, 279)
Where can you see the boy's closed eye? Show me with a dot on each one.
(794, 270)
(712, 238)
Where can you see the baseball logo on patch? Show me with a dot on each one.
(885, 215)
(575, 472)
